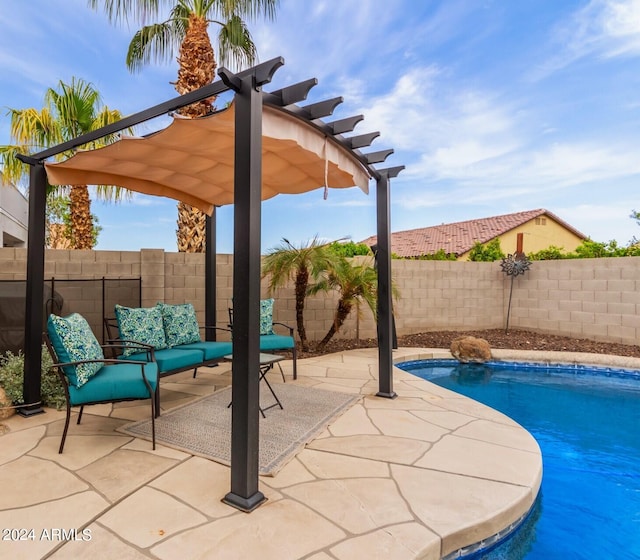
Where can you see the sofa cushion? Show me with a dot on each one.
(73, 340)
(169, 359)
(114, 382)
(142, 324)
(212, 350)
(266, 316)
(180, 324)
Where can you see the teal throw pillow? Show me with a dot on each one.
(73, 340)
(266, 316)
(142, 324)
(180, 324)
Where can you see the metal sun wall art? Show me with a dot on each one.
(514, 265)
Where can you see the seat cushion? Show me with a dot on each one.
(73, 340)
(180, 324)
(142, 324)
(212, 350)
(171, 358)
(116, 382)
(276, 342)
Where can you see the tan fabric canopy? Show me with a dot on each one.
(192, 160)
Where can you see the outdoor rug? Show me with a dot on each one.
(203, 426)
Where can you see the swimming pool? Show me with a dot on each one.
(587, 423)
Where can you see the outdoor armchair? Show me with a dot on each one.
(90, 378)
(269, 340)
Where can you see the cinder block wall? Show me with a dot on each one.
(587, 298)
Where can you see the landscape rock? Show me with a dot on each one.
(469, 349)
(4, 403)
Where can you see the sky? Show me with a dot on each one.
(492, 106)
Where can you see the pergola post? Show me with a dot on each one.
(385, 316)
(210, 289)
(245, 386)
(35, 289)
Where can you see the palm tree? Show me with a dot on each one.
(355, 283)
(70, 111)
(300, 264)
(187, 31)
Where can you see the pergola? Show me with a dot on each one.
(243, 171)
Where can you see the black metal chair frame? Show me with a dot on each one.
(65, 383)
(293, 350)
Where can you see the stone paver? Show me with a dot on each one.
(418, 476)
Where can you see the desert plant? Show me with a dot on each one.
(488, 252)
(12, 378)
(355, 284)
(301, 264)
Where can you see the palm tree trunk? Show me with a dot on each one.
(81, 221)
(302, 281)
(342, 312)
(191, 232)
(197, 66)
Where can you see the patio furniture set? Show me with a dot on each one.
(144, 345)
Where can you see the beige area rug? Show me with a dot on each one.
(203, 427)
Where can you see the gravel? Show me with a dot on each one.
(497, 338)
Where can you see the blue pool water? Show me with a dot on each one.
(587, 423)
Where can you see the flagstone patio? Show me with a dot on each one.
(419, 476)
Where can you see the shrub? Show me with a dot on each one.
(486, 253)
(12, 377)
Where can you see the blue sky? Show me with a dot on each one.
(493, 106)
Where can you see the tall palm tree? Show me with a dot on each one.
(187, 31)
(300, 264)
(355, 283)
(70, 110)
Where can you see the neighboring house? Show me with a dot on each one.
(540, 229)
(14, 210)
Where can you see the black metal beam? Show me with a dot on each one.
(34, 310)
(385, 321)
(291, 94)
(210, 276)
(244, 494)
(378, 157)
(344, 125)
(360, 141)
(322, 108)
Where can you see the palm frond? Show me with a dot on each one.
(237, 49)
(121, 10)
(154, 43)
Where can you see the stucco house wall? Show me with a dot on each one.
(538, 234)
(14, 211)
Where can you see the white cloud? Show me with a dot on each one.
(603, 28)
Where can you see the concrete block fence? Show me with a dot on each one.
(586, 298)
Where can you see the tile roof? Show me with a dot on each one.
(460, 237)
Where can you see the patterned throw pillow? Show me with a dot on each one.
(73, 340)
(266, 316)
(180, 324)
(142, 324)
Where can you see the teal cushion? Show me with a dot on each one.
(116, 382)
(266, 316)
(212, 349)
(73, 340)
(276, 342)
(142, 324)
(171, 358)
(180, 324)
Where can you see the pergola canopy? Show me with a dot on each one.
(192, 160)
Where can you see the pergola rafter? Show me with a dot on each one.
(249, 101)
